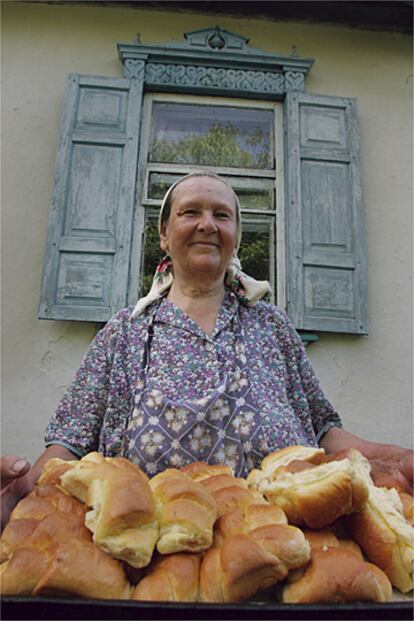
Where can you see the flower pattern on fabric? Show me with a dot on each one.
(96, 409)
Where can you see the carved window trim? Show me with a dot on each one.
(213, 61)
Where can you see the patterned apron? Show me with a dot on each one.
(222, 427)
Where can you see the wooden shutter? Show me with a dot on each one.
(85, 275)
(326, 272)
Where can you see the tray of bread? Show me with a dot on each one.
(304, 533)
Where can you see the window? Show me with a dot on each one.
(212, 101)
(241, 141)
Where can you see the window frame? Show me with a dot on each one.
(145, 168)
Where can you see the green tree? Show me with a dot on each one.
(253, 254)
(219, 146)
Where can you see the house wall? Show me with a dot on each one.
(368, 379)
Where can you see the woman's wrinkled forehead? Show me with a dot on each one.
(169, 199)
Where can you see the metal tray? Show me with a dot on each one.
(33, 608)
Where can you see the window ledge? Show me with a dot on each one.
(308, 338)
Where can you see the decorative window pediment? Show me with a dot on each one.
(214, 61)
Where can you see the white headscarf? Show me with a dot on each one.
(247, 289)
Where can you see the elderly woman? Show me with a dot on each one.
(200, 369)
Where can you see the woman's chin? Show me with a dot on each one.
(206, 266)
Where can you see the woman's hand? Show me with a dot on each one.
(18, 478)
(391, 466)
(14, 484)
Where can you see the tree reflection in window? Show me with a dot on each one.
(254, 252)
(220, 146)
(212, 135)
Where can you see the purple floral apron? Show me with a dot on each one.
(222, 427)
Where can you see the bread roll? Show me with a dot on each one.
(217, 482)
(187, 512)
(123, 517)
(81, 569)
(270, 464)
(327, 539)
(172, 578)
(53, 470)
(243, 520)
(20, 574)
(199, 470)
(385, 536)
(317, 496)
(337, 575)
(77, 568)
(48, 550)
(54, 527)
(324, 538)
(244, 564)
(46, 499)
(253, 549)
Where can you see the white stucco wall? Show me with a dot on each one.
(369, 379)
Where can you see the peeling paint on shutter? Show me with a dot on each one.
(85, 275)
(326, 271)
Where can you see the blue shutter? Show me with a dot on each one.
(326, 272)
(85, 274)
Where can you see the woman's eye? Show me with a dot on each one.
(222, 215)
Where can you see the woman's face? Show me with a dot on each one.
(201, 233)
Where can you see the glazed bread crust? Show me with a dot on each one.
(172, 578)
(385, 536)
(316, 495)
(187, 512)
(123, 513)
(336, 574)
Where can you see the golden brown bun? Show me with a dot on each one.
(284, 456)
(253, 549)
(385, 536)
(244, 564)
(46, 499)
(217, 482)
(236, 570)
(352, 546)
(338, 575)
(53, 470)
(123, 516)
(231, 492)
(296, 465)
(199, 470)
(187, 512)
(236, 497)
(47, 514)
(20, 574)
(54, 527)
(316, 497)
(81, 569)
(243, 520)
(49, 549)
(172, 578)
(321, 538)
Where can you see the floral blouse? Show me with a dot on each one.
(186, 363)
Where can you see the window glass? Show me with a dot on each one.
(256, 252)
(211, 135)
(252, 193)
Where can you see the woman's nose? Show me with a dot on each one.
(207, 223)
